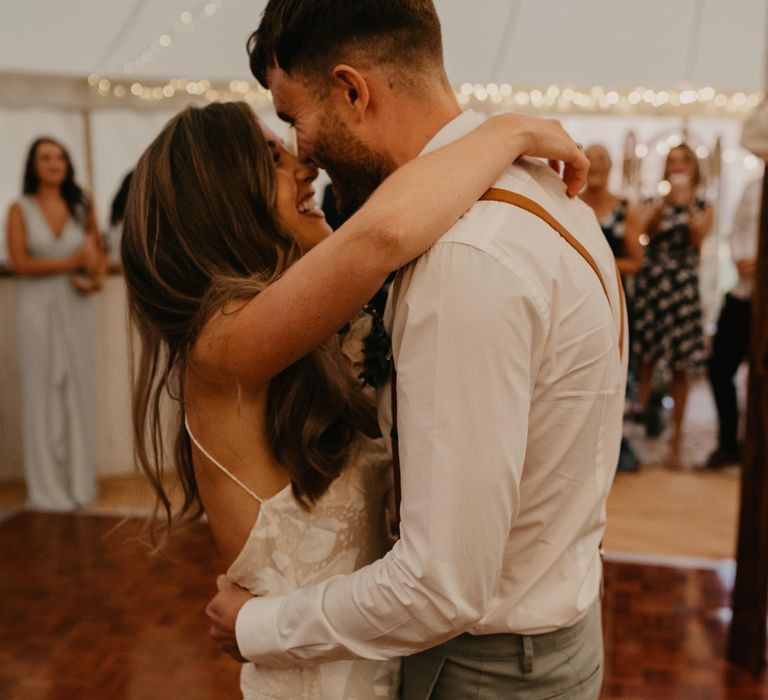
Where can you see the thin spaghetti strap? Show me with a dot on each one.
(219, 464)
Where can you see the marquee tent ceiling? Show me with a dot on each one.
(616, 43)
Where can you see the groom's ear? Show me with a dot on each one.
(352, 88)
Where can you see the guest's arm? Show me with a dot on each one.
(24, 263)
(97, 267)
(700, 224)
(96, 263)
(633, 261)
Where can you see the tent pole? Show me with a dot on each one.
(747, 639)
(88, 141)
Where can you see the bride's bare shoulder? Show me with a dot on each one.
(210, 353)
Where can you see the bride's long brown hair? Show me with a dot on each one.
(199, 232)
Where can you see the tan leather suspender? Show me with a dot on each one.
(496, 194)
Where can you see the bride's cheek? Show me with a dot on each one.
(285, 203)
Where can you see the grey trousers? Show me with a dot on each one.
(566, 664)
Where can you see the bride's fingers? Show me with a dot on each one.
(573, 182)
(575, 174)
(215, 633)
(216, 612)
(234, 652)
(227, 642)
(552, 141)
(212, 613)
(223, 638)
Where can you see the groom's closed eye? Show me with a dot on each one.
(282, 116)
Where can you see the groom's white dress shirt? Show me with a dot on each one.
(510, 401)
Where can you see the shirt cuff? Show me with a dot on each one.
(257, 633)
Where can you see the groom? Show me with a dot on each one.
(510, 390)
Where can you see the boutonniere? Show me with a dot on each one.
(365, 341)
(377, 352)
(367, 344)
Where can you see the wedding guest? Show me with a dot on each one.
(619, 223)
(667, 305)
(618, 219)
(754, 133)
(731, 343)
(237, 293)
(55, 250)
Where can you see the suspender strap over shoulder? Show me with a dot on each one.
(396, 477)
(496, 194)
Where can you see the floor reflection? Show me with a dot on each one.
(88, 614)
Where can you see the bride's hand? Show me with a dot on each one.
(222, 613)
(546, 138)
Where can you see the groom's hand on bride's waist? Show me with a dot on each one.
(222, 612)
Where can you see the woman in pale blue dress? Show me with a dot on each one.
(54, 248)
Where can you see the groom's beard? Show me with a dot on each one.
(355, 170)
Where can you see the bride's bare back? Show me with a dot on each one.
(231, 426)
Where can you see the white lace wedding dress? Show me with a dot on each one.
(289, 547)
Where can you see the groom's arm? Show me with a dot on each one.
(465, 354)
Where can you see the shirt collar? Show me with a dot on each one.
(456, 128)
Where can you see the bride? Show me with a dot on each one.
(237, 291)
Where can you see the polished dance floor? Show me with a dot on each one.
(86, 611)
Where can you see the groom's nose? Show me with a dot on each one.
(304, 156)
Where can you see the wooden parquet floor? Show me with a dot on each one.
(665, 635)
(86, 612)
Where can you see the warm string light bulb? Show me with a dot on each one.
(235, 90)
(600, 99)
(562, 99)
(488, 97)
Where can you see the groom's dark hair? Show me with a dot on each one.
(309, 37)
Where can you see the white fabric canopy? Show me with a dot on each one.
(617, 43)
